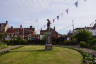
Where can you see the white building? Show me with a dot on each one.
(4, 27)
(91, 29)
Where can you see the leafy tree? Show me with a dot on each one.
(83, 35)
(2, 36)
(92, 42)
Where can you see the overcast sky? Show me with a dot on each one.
(35, 13)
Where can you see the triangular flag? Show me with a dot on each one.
(76, 3)
(67, 11)
(57, 17)
(53, 20)
(85, 0)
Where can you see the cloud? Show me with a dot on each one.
(35, 12)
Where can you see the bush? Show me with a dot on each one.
(37, 41)
(83, 35)
(67, 42)
(84, 44)
(89, 44)
(24, 42)
(15, 42)
(64, 42)
(92, 42)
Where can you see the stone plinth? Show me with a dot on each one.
(48, 46)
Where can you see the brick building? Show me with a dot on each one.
(54, 34)
(23, 33)
(12, 33)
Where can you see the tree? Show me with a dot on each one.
(92, 43)
(2, 36)
(83, 35)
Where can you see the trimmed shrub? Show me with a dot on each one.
(92, 42)
(84, 44)
(15, 42)
(67, 42)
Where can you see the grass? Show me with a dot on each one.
(37, 55)
(2, 45)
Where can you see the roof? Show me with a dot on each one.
(84, 28)
(79, 28)
(42, 32)
(93, 27)
(15, 30)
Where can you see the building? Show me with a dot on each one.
(54, 34)
(23, 33)
(4, 27)
(91, 29)
(13, 33)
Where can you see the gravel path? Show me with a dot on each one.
(8, 49)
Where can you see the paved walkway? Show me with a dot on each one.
(93, 52)
(8, 49)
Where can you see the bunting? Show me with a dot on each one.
(53, 20)
(85, 0)
(67, 11)
(76, 3)
(57, 17)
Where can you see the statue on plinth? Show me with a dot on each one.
(48, 25)
(48, 45)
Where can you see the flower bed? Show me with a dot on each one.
(88, 58)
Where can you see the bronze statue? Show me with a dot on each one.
(48, 24)
(48, 45)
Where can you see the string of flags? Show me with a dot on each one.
(76, 4)
(85, 0)
(92, 24)
(67, 11)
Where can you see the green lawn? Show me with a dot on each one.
(2, 46)
(37, 55)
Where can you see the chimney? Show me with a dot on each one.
(20, 26)
(11, 27)
(6, 22)
(54, 28)
(30, 26)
